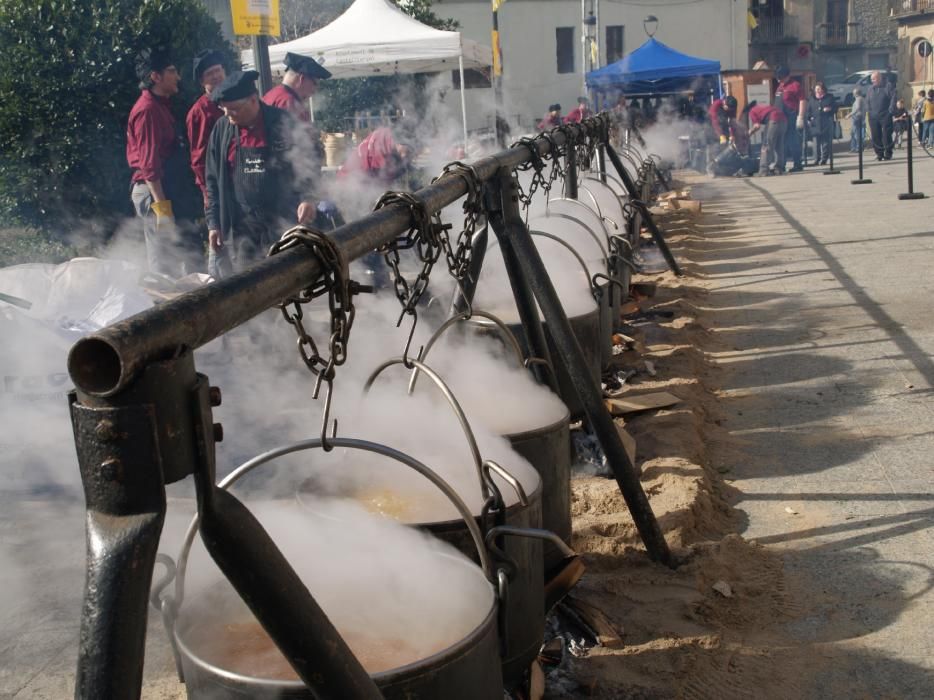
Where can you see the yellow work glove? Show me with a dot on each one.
(163, 211)
(723, 139)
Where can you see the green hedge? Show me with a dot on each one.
(67, 83)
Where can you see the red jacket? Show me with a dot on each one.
(284, 97)
(578, 114)
(201, 118)
(792, 95)
(716, 120)
(150, 136)
(549, 122)
(762, 113)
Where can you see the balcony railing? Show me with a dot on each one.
(775, 30)
(901, 8)
(834, 35)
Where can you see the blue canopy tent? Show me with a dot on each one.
(653, 68)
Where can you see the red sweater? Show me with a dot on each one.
(284, 97)
(150, 136)
(201, 119)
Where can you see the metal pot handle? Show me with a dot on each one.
(593, 287)
(491, 466)
(167, 607)
(602, 244)
(508, 336)
(350, 443)
(452, 401)
(530, 532)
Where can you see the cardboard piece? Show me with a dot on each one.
(629, 443)
(688, 205)
(640, 402)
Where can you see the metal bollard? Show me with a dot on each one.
(863, 180)
(911, 194)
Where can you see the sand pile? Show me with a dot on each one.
(711, 628)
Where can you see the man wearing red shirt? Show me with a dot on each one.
(156, 153)
(579, 113)
(299, 83)
(209, 72)
(253, 191)
(774, 123)
(722, 113)
(791, 100)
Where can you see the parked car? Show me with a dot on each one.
(843, 90)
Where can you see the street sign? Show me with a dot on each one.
(255, 17)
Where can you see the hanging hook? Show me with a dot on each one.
(406, 362)
(325, 445)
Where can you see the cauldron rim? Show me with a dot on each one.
(383, 677)
(541, 430)
(458, 521)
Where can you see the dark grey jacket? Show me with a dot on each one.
(880, 101)
(222, 211)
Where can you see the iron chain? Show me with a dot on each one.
(336, 284)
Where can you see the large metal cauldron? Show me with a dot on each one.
(466, 670)
(586, 328)
(546, 447)
(520, 581)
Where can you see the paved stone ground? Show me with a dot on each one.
(820, 297)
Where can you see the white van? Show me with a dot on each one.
(843, 90)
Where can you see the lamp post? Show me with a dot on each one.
(650, 25)
(589, 26)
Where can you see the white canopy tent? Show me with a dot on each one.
(374, 37)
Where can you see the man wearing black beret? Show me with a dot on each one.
(253, 191)
(157, 153)
(208, 70)
(298, 85)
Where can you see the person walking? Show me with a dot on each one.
(927, 121)
(917, 111)
(820, 119)
(209, 72)
(901, 121)
(162, 188)
(857, 121)
(792, 101)
(253, 190)
(880, 104)
(775, 124)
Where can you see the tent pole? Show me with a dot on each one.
(460, 68)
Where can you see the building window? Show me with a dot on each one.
(878, 61)
(472, 78)
(564, 43)
(614, 43)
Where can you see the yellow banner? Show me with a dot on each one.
(497, 57)
(496, 4)
(255, 17)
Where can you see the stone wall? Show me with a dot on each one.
(878, 29)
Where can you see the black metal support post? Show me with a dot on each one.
(911, 194)
(859, 140)
(601, 160)
(525, 300)
(637, 202)
(516, 237)
(261, 62)
(570, 175)
(833, 129)
(804, 148)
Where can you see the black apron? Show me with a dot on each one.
(257, 191)
(179, 182)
